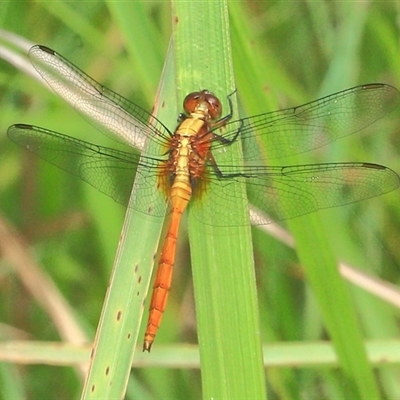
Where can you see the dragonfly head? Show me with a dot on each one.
(203, 102)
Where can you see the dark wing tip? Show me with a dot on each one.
(42, 48)
(21, 126)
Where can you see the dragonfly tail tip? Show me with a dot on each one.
(147, 345)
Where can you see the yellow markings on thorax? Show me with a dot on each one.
(187, 129)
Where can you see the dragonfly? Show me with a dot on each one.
(180, 166)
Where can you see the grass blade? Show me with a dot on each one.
(120, 321)
(222, 262)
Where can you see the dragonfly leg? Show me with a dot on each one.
(222, 121)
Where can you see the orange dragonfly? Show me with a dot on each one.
(184, 159)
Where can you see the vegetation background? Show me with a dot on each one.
(285, 54)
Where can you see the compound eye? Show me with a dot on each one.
(191, 101)
(214, 105)
(204, 99)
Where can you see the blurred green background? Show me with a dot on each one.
(285, 54)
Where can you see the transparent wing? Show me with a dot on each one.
(105, 109)
(110, 171)
(291, 191)
(295, 130)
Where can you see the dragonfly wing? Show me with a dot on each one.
(105, 109)
(292, 191)
(110, 171)
(295, 130)
(288, 192)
